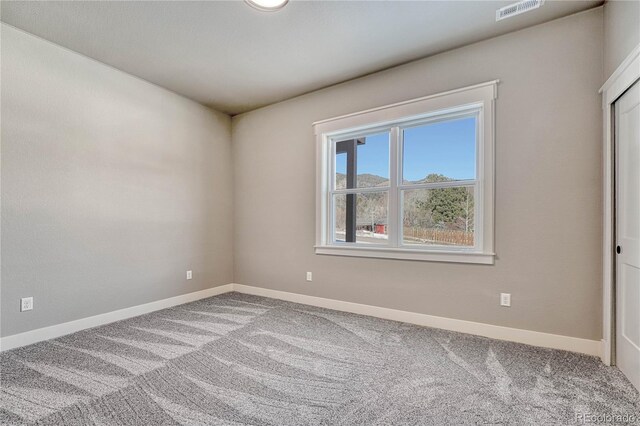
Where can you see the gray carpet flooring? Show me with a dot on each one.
(243, 360)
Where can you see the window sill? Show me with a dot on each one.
(409, 254)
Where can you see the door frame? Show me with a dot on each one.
(622, 79)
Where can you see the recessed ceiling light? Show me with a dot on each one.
(267, 5)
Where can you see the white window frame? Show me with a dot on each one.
(477, 100)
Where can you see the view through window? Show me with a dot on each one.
(439, 177)
(438, 170)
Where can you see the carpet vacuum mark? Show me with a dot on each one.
(236, 359)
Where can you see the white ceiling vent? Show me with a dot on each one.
(517, 8)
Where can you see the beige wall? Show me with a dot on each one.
(621, 32)
(548, 187)
(111, 188)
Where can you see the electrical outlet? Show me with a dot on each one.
(309, 276)
(189, 275)
(26, 304)
(505, 299)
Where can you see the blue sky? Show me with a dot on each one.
(447, 148)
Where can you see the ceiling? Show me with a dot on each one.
(234, 58)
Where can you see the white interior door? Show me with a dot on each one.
(627, 137)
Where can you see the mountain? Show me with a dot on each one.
(431, 178)
(365, 180)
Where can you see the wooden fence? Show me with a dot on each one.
(439, 236)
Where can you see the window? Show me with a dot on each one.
(412, 180)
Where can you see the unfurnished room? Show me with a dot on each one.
(314, 212)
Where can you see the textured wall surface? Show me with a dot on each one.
(548, 187)
(111, 188)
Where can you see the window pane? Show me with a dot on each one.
(362, 162)
(341, 170)
(443, 216)
(361, 218)
(441, 151)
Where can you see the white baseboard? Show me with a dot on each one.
(46, 333)
(534, 338)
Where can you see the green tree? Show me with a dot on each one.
(449, 207)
